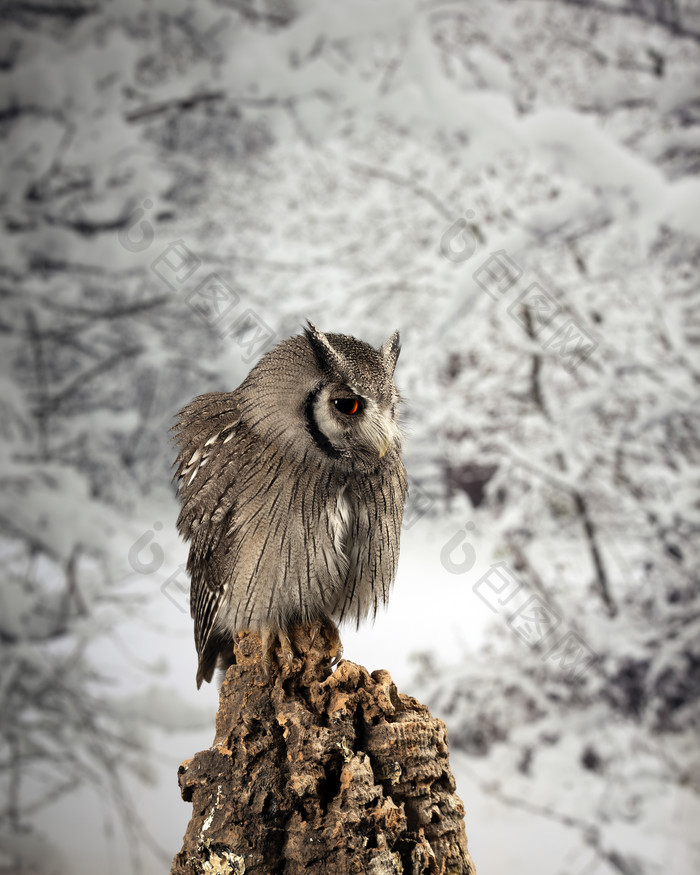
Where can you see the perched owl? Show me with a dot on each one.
(292, 491)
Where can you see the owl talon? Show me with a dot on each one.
(267, 666)
(337, 654)
(286, 648)
(332, 635)
(270, 640)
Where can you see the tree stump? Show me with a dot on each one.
(320, 771)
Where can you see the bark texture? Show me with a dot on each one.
(321, 771)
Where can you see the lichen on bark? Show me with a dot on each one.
(325, 771)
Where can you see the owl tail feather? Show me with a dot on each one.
(205, 669)
(216, 653)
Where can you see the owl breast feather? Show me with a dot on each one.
(340, 526)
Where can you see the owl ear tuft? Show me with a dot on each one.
(326, 352)
(390, 353)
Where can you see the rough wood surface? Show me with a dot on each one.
(321, 771)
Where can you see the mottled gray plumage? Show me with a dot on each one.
(291, 501)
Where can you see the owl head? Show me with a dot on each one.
(353, 411)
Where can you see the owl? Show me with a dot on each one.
(292, 490)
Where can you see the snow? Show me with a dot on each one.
(314, 168)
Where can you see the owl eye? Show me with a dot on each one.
(348, 406)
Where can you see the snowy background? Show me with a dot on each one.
(512, 185)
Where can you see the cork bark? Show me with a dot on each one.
(320, 771)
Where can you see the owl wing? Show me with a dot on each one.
(207, 475)
(373, 541)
